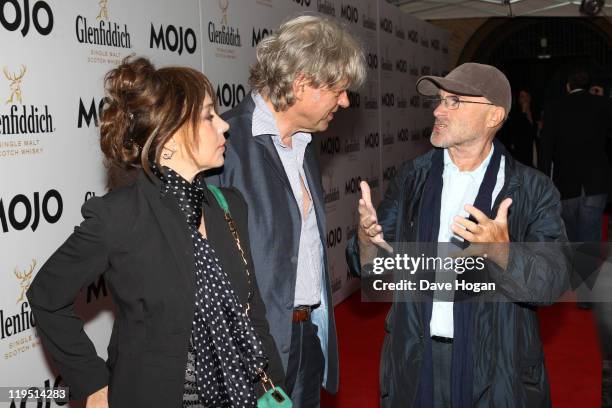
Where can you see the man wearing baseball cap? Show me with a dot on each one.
(467, 354)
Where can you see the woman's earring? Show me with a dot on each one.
(168, 153)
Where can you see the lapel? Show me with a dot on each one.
(272, 158)
(264, 142)
(173, 227)
(313, 177)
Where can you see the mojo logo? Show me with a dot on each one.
(41, 16)
(334, 237)
(388, 99)
(22, 212)
(230, 95)
(413, 35)
(326, 7)
(303, 3)
(226, 35)
(89, 195)
(260, 35)
(59, 396)
(401, 65)
(415, 101)
(389, 173)
(386, 25)
(92, 112)
(372, 61)
(425, 70)
(351, 186)
(173, 38)
(106, 33)
(349, 13)
(24, 119)
(435, 44)
(330, 145)
(95, 290)
(372, 140)
(403, 135)
(354, 99)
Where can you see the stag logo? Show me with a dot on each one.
(223, 5)
(15, 84)
(103, 14)
(26, 279)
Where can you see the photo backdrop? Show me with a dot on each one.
(54, 54)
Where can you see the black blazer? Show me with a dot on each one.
(574, 139)
(141, 243)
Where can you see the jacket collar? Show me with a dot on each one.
(172, 224)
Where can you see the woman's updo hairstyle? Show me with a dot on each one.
(144, 107)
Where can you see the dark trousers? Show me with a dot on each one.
(442, 354)
(582, 218)
(305, 367)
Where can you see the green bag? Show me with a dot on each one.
(274, 397)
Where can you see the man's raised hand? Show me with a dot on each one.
(369, 231)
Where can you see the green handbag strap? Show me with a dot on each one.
(219, 197)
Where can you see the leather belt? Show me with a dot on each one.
(440, 339)
(301, 313)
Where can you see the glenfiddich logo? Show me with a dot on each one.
(25, 279)
(22, 119)
(226, 35)
(223, 5)
(103, 14)
(106, 33)
(368, 21)
(23, 320)
(330, 190)
(15, 84)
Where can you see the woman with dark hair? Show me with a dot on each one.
(190, 326)
(519, 133)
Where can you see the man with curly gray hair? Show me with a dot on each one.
(300, 79)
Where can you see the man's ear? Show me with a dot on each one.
(299, 84)
(496, 117)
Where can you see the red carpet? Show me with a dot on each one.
(570, 346)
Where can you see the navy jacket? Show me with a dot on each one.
(253, 166)
(508, 358)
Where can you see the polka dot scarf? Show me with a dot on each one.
(228, 351)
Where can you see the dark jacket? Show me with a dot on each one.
(574, 135)
(253, 166)
(141, 243)
(518, 136)
(508, 360)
